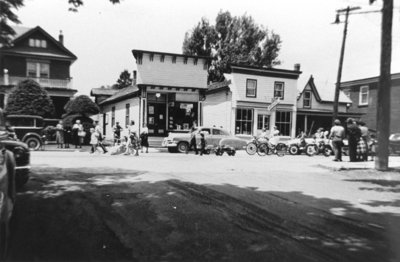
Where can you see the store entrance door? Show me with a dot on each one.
(156, 119)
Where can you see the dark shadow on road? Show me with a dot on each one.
(92, 215)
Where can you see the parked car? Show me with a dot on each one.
(20, 152)
(179, 142)
(29, 129)
(394, 143)
(7, 196)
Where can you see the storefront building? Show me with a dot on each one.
(167, 95)
(253, 98)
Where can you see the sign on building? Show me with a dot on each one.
(274, 103)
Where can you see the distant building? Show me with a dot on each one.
(253, 98)
(37, 55)
(315, 107)
(363, 93)
(167, 94)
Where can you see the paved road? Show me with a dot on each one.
(176, 207)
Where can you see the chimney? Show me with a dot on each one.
(297, 67)
(6, 80)
(134, 77)
(61, 38)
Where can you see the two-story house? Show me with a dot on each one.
(363, 93)
(35, 54)
(315, 106)
(253, 98)
(167, 95)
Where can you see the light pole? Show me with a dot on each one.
(339, 75)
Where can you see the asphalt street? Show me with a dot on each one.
(178, 207)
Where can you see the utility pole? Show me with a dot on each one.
(339, 75)
(383, 100)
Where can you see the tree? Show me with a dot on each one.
(7, 15)
(81, 105)
(124, 80)
(29, 98)
(232, 40)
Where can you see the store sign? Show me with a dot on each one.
(274, 103)
(186, 106)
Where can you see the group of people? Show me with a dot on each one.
(358, 139)
(66, 135)
(129, 138)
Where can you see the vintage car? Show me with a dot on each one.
(20, 151)
(394, 143)
(28, 129)
(179, 142)
(7, 196)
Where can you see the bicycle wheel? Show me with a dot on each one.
(262, 149)
(280, 149)
(251, 148)
(311, 149)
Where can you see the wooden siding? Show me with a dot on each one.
(171, 74)
(265, 88)
(120, 114)
(316, 105)
(217, 110)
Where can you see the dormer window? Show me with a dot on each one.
(37, 43)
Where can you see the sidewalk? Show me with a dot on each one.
(394, 163)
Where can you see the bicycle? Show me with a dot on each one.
(252, 146)
(263, 148)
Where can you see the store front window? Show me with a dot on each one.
(244, 121)
(283, 122)
(182, 115)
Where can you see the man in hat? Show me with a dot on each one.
(354, 135)
(337, 136)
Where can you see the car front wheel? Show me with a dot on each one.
(33, 143)
(183, 147)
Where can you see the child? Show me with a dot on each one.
(202, 144)
(94, 139)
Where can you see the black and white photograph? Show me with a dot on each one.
(199, 130)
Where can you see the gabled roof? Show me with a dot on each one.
(103, 91)
(25, 32)
(121, 95)
(324, 92)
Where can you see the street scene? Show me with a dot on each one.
(172, 130)
(169, 207)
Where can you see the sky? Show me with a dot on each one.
(102, 35)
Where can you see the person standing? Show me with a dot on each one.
(192, 142)
(132, 142)
(144, 138)
(117, 133)
(77, 133)
(274, 132)
(60, 134)
(365, 138)
(202, 144)
(353, 134)
(94, 140)
(97, 128)
(337, 136)
(67, 136)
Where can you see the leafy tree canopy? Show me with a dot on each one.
(28, 98)
(124, 80)
(232, 40)
(81, 105)
(7, 15)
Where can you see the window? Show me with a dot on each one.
(251, 88)
(113, 116)
(127, 106)
(43, 44)
(262, 122)
(364, 94)
(205, 131)
(283, 122)
(31, 42)
(244, 121)
(307, 99)
(279, 90)
(36, 69)
(139, 59)
(174, 59)
(162, 57)
(151, 57)
(37, 43)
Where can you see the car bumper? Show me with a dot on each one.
(169, 144)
